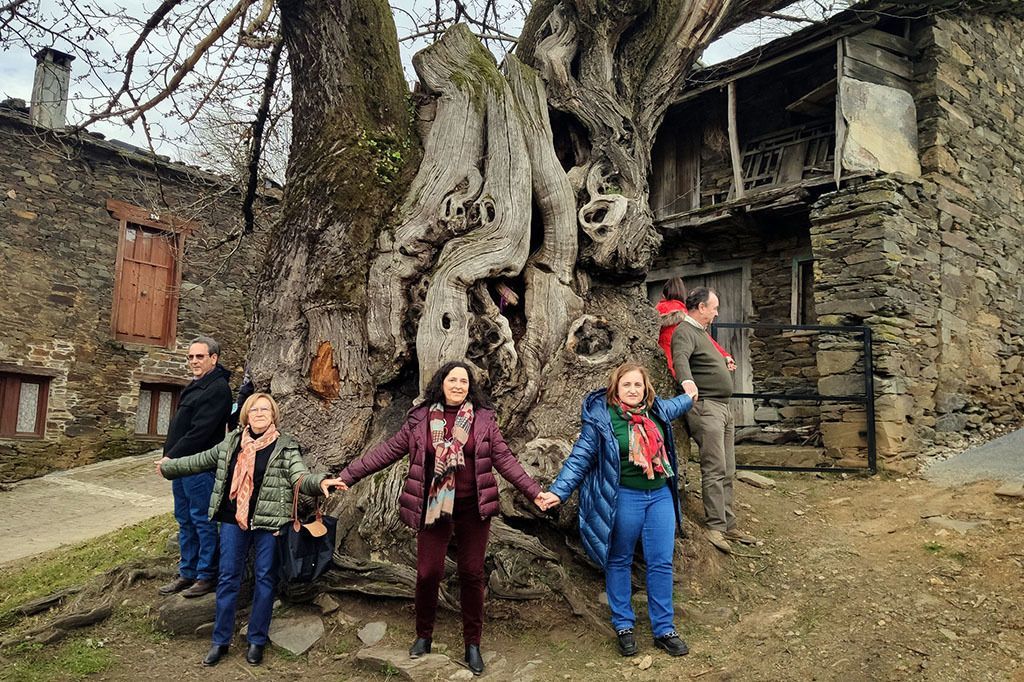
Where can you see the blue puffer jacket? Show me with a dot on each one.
(595, 463)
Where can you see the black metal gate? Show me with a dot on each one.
(867, 398)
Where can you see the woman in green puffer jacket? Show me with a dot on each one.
(257, 468)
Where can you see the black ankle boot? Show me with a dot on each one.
(254, 656)
(474, 661)
(420, 647)
(216, 652)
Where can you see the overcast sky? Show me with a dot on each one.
(17, 67)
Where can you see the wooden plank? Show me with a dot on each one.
(734, 145)
(688, 166)
(817, 102)
(791, 166)
(9, 388)
(837, 168)
(888, 41)
(858, 70)
(876, 56)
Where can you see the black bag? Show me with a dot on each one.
(304, 550)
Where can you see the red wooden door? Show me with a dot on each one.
(145, 287)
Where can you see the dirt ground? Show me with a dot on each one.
(856, 579)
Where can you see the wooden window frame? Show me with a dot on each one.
(796, 289)
(155, 388)
(9, 410)
(128, 214)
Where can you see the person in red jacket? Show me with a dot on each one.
(672, 309)
(454, 445)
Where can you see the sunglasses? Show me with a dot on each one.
(197, 356)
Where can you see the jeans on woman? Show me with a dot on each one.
(645, 515)
(234, 548)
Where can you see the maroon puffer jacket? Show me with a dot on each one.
(414, 440)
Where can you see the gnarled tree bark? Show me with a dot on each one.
(527, 261)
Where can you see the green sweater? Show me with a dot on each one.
(630, 475)
(696, 358)
(274, 498)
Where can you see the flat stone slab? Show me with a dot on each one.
(756, 480)
(1011, 490)
(962, 527)
(397, 661)
(296, 634)
(371, 633)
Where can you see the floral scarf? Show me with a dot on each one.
(448, 457)
(646, 445)
(245, 465)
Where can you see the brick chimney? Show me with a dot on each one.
(50, 88)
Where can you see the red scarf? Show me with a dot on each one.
(646, 445)
(241, 480)
(448, 457)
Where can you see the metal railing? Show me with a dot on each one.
(867, 398)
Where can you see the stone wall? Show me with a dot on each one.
(971, 110)
(58, 248)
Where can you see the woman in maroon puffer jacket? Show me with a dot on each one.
(454, 436)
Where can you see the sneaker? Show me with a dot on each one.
(739, 536)
(672, 643)
(627, 642)
(717, 538)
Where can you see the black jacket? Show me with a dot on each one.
(203, 409)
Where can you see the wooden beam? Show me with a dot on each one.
(734, 145)
(858, 70)
(890, 42)
(876, 56)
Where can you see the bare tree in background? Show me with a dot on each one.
(497, 214)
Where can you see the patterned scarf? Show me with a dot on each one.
(646, 446)
(241, 480)
(447, 458)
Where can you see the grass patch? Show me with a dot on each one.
(44, 574)
(933, 547)
(75, 660)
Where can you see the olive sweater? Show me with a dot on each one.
(696, 359)
(273, 506)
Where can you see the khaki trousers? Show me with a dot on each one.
(713, 427)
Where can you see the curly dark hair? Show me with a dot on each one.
(434, 393)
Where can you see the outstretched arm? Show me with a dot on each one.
(580, 461)
(380, 457)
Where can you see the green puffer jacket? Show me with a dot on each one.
(274, 498)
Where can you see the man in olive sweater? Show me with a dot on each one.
(710, 421)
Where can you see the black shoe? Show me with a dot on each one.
(627, 642)
(175, 586)
(419, 647)
(474, 661)
(672, 643)
(199, 588)
(216, 652)
(254, 656)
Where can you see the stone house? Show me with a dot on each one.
(865, 171)
(113, 260)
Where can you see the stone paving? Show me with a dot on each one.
(67, 507)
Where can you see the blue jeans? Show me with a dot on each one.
(234, 548)
(197, 535)
(642, 515)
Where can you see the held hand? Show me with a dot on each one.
(546, 501)
(730, 364)
(328, 483)
(690, 388)
(159, 462)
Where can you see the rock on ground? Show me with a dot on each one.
(371, 633)
(296, 634)
(756, 480)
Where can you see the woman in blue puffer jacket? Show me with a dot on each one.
(624, 464)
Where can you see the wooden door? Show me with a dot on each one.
(145, 285)
(732, 283)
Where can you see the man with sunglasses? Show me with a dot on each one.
(203, 409)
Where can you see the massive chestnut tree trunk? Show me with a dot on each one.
(462, 225)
